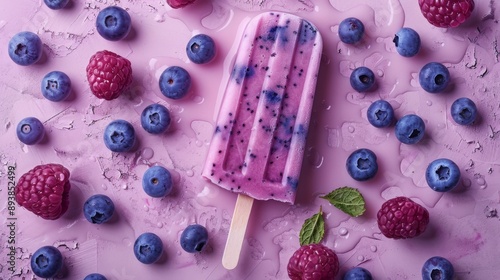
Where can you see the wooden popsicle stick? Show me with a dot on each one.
(237, 231)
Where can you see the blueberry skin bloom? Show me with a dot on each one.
(113, 23)
(119, 136)
(437, 268)
(380, 114)
(56, 86)
(201, 49)
(351, 30)
(463, 111)
(30, 131)
(407, 42)
(46, 262)
(175, 82)
(194, 238)
(95, 276)
(362, 79)
(434, 77)
(25, 48)
(148, 248)
(442, 175)
(56, 4)
(98, 209)
(157, 181)
(362, 164)
(357, 273)
(155, 118)
(410, 129)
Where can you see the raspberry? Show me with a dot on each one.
(402, 218)
(179, 3)
(108, 74)
(313, 262)
(44, 190)
(446, 13)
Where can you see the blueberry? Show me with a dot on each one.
(25, 48)
(30, 131)
(56, 86)
(155, 118)
(148, 248)
(362, 164)
(98, 209)
(362, 79)
(200, 49)
(442, 175)
(407, 42)
(434, 77)
(437, 268)
(357, 273)
(351, 30)
(119, 136)
(113, 23)
(56, 4)
(463, 111)
(175, 82)
(410, 129)
(157, 181)
(194, 238)
(95, 276)
(380, 114)
(46, 262)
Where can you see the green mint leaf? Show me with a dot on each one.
(347, 199)
(313, 229)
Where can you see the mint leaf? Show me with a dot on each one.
(313, 229)
(347, 199)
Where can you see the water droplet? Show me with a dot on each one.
(482, 187)
(343, 231)
(189, 173)
(428, 102)
(104, 187)
(466, 182)
(361, 258)
(125, 187)
(373, 248)
(147, 153)
(159, 224)
(480, 181)
(350, 129)
(146, 208)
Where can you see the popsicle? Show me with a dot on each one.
(260, 135)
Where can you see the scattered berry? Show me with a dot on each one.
(200, 49)
(194, 238)
(437, 268)
(148, 248)
(434, 77)
(30, 131)
(362, 79)
(98, 209)
(44, 190)
(113, 23)
(464, 111)
(175, 82)
(351, 30)
(155, 118)
(442, 175)
(380, 114)
(119, 136)
(56, 86)
(56, 4)
(95, 276)
(362, 164)
(179, 3)
(108, 74)
(401, 218)
(407, 42)
(25, 48)
(157, 181)
(358, 273)
(313, 262)
(446, 13)
(410, 129)
(46, 262)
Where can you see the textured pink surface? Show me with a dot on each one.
(261, 129)
(463, 224)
